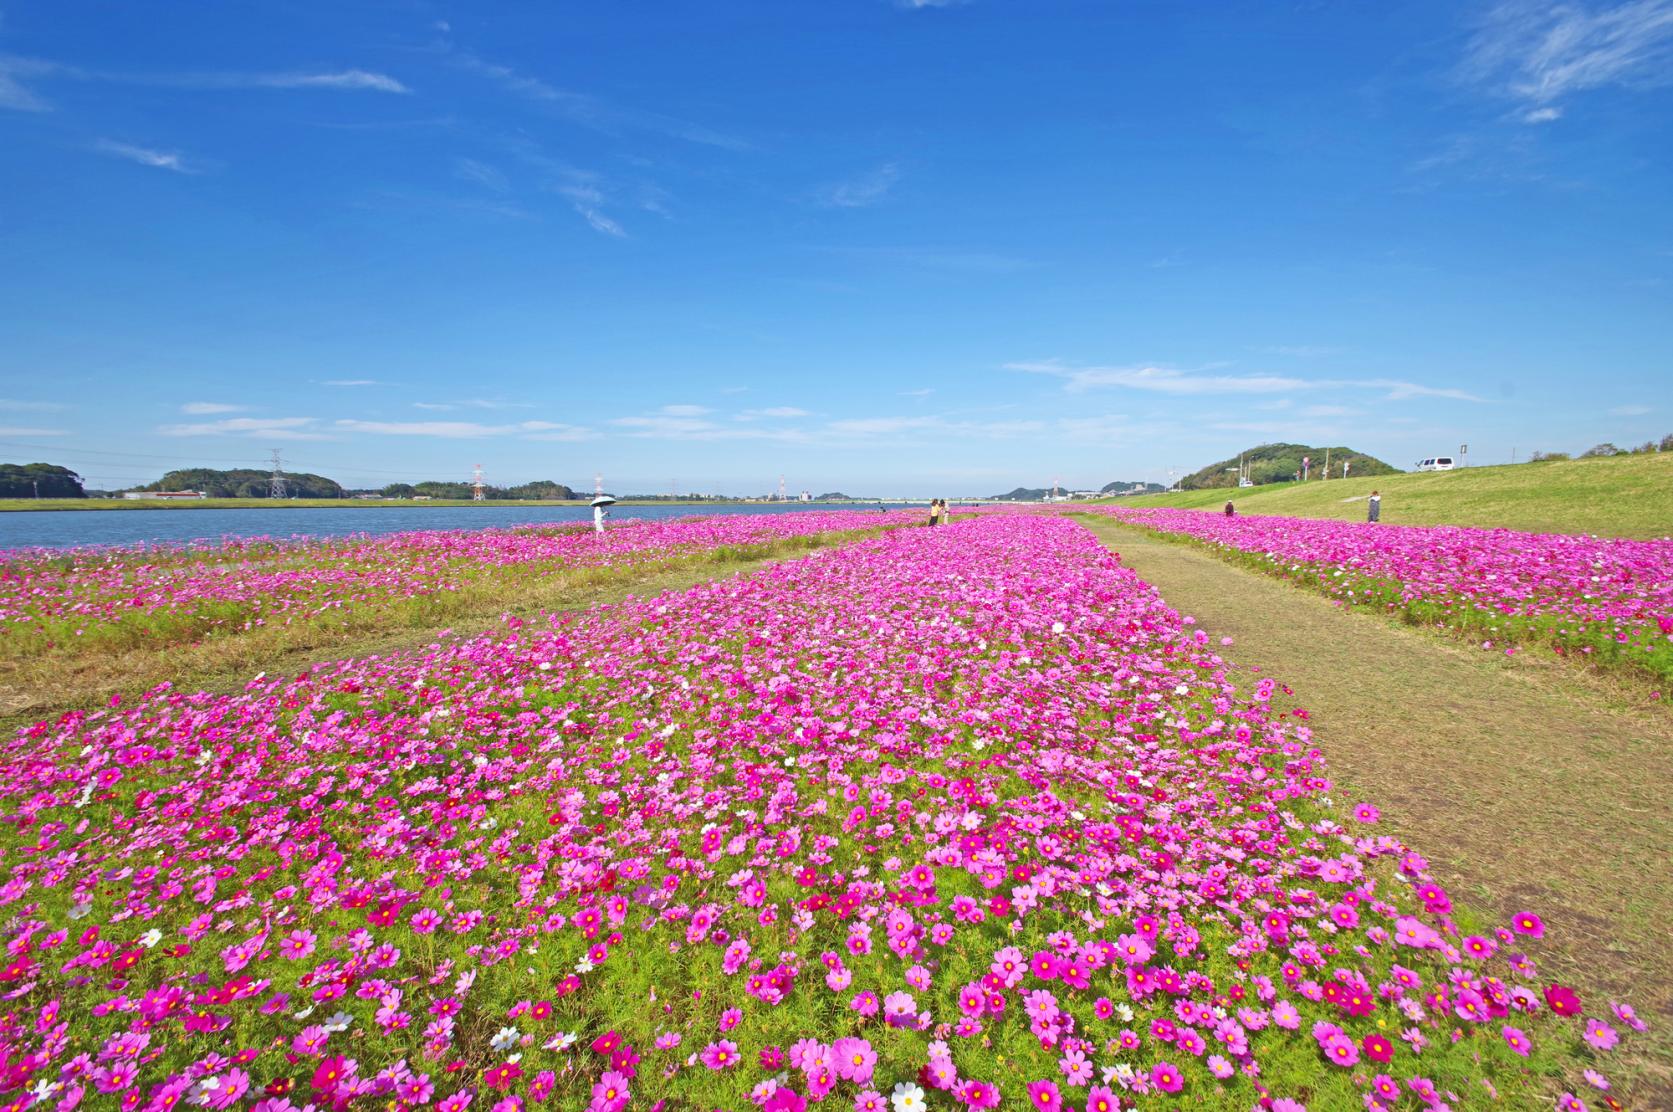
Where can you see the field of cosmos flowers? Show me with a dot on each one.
(948, 818)
(1604, 599)
(93, 599)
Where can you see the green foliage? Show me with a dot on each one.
(1281, 463)
(245, 482)
(39, 480)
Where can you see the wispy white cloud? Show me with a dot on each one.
(685, 410)
(145, 156)
(351, 382)
(471, 403)
(1630, 411)
(13, 93)
(1402, 391)
(590, 111)
(200, 409)
(779, 411)
(1542, 115)
(588, 201)
(1170, 380)
(457, 430)
(20, 405)
(1540, 51)
(921, 392)
(480, 173)
(28, 430)
(865, 189)
(259, 428)
(1162, 380)
(342, 79)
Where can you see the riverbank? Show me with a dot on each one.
(26, 505)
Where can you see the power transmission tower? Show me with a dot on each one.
(781, 488)
(276, 487)
(479, 489)
(598, 485)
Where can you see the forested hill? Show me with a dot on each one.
(39, 480)
(245, 483)
(1281, 463)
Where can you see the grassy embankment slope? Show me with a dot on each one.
(1624, 496)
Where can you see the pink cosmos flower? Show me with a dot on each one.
(720, 1055)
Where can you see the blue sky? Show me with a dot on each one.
(881, 247)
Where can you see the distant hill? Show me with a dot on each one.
(39, 480)
(245, 483)
(1280, 463)
(832, 496)
(1025, 494)
(1132, 488)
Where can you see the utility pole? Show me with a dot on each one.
(1327, 463)
(276, 487)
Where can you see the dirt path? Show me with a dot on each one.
(1524, 792)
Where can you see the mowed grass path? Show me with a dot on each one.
(1524, 787)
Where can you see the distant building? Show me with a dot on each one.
(166, 495)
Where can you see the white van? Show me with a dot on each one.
(1439, 463)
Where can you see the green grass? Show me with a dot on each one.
(1623, 496)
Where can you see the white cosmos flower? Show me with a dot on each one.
(907, 1097)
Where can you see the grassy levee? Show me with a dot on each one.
(35, 686)
(1524, 785)
(1618, 496)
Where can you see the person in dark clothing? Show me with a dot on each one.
(1231, 510)
(1374, 508)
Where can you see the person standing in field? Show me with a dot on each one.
(1374, 508)
(1231, 510)
(599, 514)
(935, 511)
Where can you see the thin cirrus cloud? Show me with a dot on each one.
(268, 428)
(592, 112)
(862, 191)
(200, 409)
(16, 70)
(1172, 381)
(145, 156)
(1538, 52)
(1162, 380)
(19, 405)
(351, 382)
(466, 430)
(778, 411)
(30, 430)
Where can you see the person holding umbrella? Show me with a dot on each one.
(600, 513)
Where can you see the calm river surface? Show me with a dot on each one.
(70, 528)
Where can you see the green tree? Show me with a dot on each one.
(39, 480)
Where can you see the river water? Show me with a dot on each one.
(72, 528)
